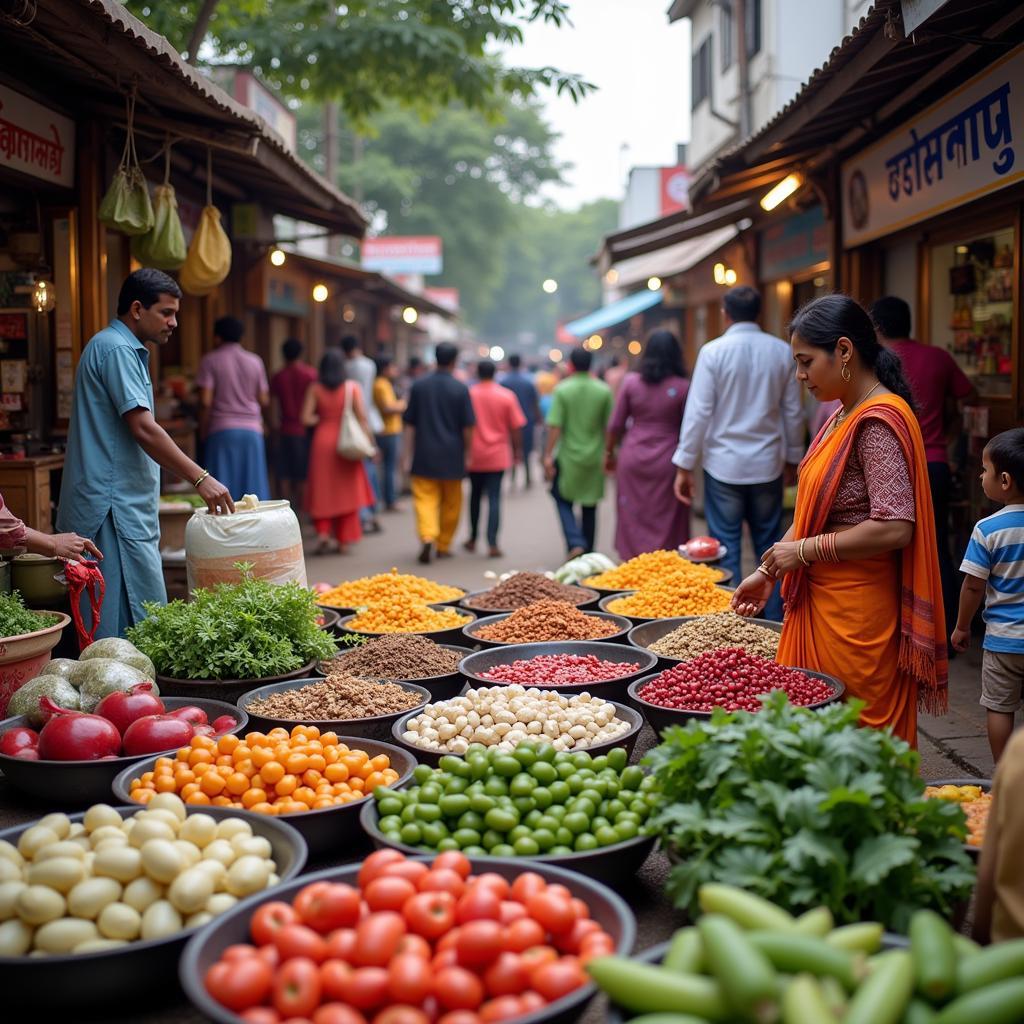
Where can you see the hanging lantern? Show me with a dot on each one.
(44, 296)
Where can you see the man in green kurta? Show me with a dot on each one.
(577, 420)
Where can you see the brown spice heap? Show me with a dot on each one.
(396, 656)
(547, 620)
(337, 697)
(525, 588)
(712, 632)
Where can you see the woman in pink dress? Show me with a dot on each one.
(337, 487)
(645, 423)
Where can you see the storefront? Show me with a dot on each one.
(793, 265)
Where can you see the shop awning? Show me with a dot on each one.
(614, 313)
(674, 259)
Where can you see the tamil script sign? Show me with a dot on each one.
(35, 140)
(957, 150)
(409, 254)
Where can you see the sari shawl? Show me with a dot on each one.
(876, 623)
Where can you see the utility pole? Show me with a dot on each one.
(743, 68)
(330, 133)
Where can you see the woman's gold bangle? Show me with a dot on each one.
(765, 571)
(800, 552)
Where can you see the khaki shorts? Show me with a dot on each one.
(1002, 681)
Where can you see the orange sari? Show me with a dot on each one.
(875, 623)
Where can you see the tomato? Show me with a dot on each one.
(559, 890)
(523, 934)
(337, 1013)
(260, 1015)
(415, 945)
(502, 1008)
(596, 944)
(537, 955)
(479, 902)
(341, 943)
(375, 864)
(377, 938)
(430, 914)
(454, 859)
(448, 941)
(569, 942)
(325, 906)
(411, 870)
(297, 940)
(530, 1001)
(368, 988)
(240, 984)
(458, 989)
(498, 884)
(239, 951)
(580, 908)
(479, 943)
(446, 958)
(270, 953)
(401, 1015)
(410, 978)
(269, 918)
(297, 987)
(511, 910)
(557, 979)
(443, 880)
(388, 893)
(528, 884)
(506, 976)
(460, 1016)
(335, 978)
(552, 911)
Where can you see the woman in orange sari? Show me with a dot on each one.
(859, 565)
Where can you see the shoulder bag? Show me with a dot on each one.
(353, 441)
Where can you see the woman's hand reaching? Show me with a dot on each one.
(752, 594)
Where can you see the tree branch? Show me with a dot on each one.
(195, 40)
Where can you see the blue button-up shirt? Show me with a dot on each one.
(105, 469)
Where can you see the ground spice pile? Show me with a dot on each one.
(547, 620)
(713, 632)
(396, 656)
(337, 697)
(525, 588)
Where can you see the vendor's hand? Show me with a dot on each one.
(682, 486)
(960, 639)
(549, 468)
(70, 545)
(216, 495)
(782, 557)
(752, 594)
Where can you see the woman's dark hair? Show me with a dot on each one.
(662, 358)
(332, 369)
(1006, 453)
(822, 322)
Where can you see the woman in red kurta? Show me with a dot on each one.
(337, 487)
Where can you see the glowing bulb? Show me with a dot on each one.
(719, 272)
(44, 296)
(277, 257)
(654, 283)
(409, 315)
(596, 342)
(348, 313)
(730, 277)
(612, 276)
(497, 353)
(320, 293)
(635, 348)
(550, 285)
(781, 192)
(555, 355)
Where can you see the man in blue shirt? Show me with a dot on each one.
(522, 386)
(111, 487)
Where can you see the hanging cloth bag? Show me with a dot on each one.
(164, 246)
(353, 441)
(126, 207)
(209, 255)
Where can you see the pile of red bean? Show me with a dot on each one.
(560, 670)
(732, 679)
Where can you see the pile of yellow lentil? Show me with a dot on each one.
(405, 615)
(388, 586)
(652, 566)
(671, 596)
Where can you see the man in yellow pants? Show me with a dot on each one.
(439, 425)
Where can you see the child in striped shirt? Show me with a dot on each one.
(993, 570)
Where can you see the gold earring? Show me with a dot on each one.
(845, 373)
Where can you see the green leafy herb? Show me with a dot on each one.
(806, 808)
(248, 630)
(16, 619)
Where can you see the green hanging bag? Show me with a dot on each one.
(126, 207)
(163, 247)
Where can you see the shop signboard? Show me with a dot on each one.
(675, 189)
(794, 244)
(35, 139)
(957, 150)
(403, 254)
(446, 298)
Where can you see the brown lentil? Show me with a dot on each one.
(712, 632)
(547, 620)
(396, 656)
(336, 698)
(524, 588)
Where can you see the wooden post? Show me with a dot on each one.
(93, 235)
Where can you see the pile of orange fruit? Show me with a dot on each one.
(649, 568)
(405, 616)
(672, 596)
(387, 586)
(270, 773)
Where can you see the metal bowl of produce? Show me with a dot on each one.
(623, 712)
(985, 785)
(109, 979)
(441, 687)
(606, 908)
(653, 631)
(640, 620)
(376, 727)
(452, 602)
(584, 598)
(78, 783)
(474, 667)
(661, 717)
(325, 830)
(451, 635)
(622, 624)
(225, 689)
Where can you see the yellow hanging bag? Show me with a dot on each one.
(209, 254)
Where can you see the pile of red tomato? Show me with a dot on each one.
(411, 943)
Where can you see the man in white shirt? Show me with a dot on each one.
(363, 370)
(745, 423)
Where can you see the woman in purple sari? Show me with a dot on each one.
(646, 420)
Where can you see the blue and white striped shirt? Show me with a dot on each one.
(996, 555)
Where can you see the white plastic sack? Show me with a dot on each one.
(265, 534)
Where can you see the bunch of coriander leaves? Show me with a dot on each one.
(247, 630)
(17, 620)
(806, 808)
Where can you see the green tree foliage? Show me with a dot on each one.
(424, 54)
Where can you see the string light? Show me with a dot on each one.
(320, 293)
(409, 315)
(277, 257)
